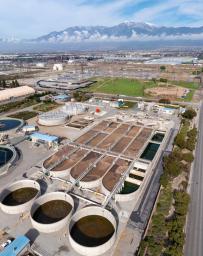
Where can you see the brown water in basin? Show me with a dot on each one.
(52, 211)
(92, 230)
(20, 196)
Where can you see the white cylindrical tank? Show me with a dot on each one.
(51, 219)
(72, 108)
(53, 118)
(99, 228)
(15, 198)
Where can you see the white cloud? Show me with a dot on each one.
(32, 18)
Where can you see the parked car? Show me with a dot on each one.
(6, 243)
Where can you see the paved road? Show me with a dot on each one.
(133, 98)
(194, 231)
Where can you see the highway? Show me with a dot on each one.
(194, 228)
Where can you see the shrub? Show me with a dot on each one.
(189, 114)
(190, 144)
(165, 101)
(192, 133)
(188, 157)
(180, 140)
(162, 68)
(163, 80)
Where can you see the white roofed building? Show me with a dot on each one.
(8, 94)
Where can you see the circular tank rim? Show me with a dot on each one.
(14, 186)
(96, 250)
(56, 226)
(15, 128)
(13, 158)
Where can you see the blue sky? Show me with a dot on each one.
(32, 18)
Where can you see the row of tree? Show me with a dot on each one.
(9, 84)
(166, 233)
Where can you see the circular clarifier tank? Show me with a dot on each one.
(51, 212)
(19, 196)
(9, 124)
(6, 155)
(92, 231)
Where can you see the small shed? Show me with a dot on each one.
(29, 128)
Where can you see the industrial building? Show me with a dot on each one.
(13, 93)
(47, 139)
(17, 247)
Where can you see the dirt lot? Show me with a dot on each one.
(164, 91)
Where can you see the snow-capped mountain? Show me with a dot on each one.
(122, 32)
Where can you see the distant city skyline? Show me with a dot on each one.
(32, 18)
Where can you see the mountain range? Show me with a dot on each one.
(122, 32)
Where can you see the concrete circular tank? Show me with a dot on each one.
(8, 155)
(53, 118)
(51, 212)
(9, 125)
(92, 231)
(19, 196)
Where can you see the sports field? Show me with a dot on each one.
(123, 86)
(132, 87)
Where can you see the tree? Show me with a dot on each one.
(164, 179)
(3, 84)
(163, 80)
(172, 166)
(190, 143)
(16, 83)
(182, 200)
(180, 140)
(189, 113)
(188, 157)
(162, 68)
(165, 101)
(192, 133)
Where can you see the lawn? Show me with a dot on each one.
(18, 105)
(25, 115)
(133, 87)
(121, 86)
(188, 85)
(46, 106)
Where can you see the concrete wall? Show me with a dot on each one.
(12, 131)
(61, 174)
(128, 197)
(54, 227)
(52, 121)
(91, 184)
(22, 207)
(5, 167)
(98, 250)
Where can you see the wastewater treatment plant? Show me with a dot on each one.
(82, 194)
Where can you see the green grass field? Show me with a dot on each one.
(122, 86)
(132, 87)
(25, 115)
(46, 106)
